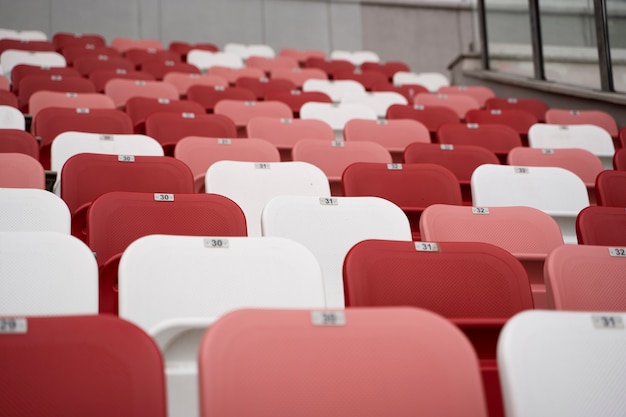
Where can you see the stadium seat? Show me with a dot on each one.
(367, 78)
(73, 52)
(33, 83)
(535, 106)
(44, 98)
(209, 96)
(619, 160)
(356, 57)
(379, 101)
(183, 81)
(139, 108)
(7, 98)
(336, 90)
(263, 85)
(18, 141)
(205, 59)
(18, 170)
(11, 118)
(124, 44)
(432, 117)
(23, 70)
(432, 81)
(101, 77)
(337, 114)
(121, 90)
(33, 210)
(295, 99)
(12, 57)
(241, 112)
(610, 186)
(87, 64)
(520, 120)
(139, 56)
(602, 226)
(231, 74)
(159, 69)
(389, 68)
(459, 103)
(298, 75)
(480, 93)
(64, 39)
(585, 117)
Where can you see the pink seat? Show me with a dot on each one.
(169, 128)
(5, 84)
(86, 176)
(460, 103)
(430, 116)
(18, 141)
(604, 226)
(583, 117)
(116, 368)
(357, 364)
(116, 219)
(101, 77)
(121, 90)
(587, 278)
(298, 75)
(270, 64)
(334, 157)
(18, 170)
(209, 96)
(43, 99)
(480, 93)
(529, 234)
(537, 107)
(477, 286)
(33, 83)
(139, 108)
(499, 139)
(124, 44)
(241, 112)
(233, 74)
(395, 134)
(183, 81)
(461, 160)
(285, 133)
(611, 188)
(301, 55)
(199, 153)
(412, 187)
(52, 121)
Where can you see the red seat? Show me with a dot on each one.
(139, 56)
(139, 108)
(33, 83)
(270, 64)
(409, 91)
(368, 78)
(116, 219)
(73, 52)
(611, 188)
(182, 48)
(124, 44)
(19, 141)
(295, 99)
(535, 106)
(480, 93)
(430, 116)
(329, 67)
(520, 120)
(412, 187)
(583, 117)
(64, 39)
(388, 68)
(261, 86)
(101, 77)
(499, 139)
(241, 112)
(603, 226)
(209, 96)
(159, 68)
(7, 98)
(477, 286)
(619, 159)
(298, 75)
(121, 90)
(23, 70)
(86, 64)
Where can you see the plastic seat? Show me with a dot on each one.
(337, 114)
(206, 59)
(199, 153)
(329, 227)
(302, 55)
(589, 137)
(7, 98)
(389, 68)
(334, 157)
(412, 187)
(520, 120)
(43, 99)
(610, 186)
(88, 64)
(583, 117)
(379, 101)
(356, 57)
(480, 93)
(494, 287)
(139, 108)
(367, 78)
(336, 90)
(602, 226)
(245, 272)
(232, 74)
(246, 51)
(183, 81)
(64, 39)
(459, 103)
(499, 139)
(140, 56)
(252, 184)
(18, 170)
(26, 35)
(330, 66)
(121, 90)
(580, 161)
(556, 191)
(527, 233)
(545, 356)
(73, 52)
(409, 91)
(101, 77)
(461, 160)
(111, 359)
(586, 278)
(12, 57)
(53, 121)
(124, 44)
(68, 144)
(33, 83)
(619, 160)
(433, 81)
(430, 116)
(261, 86)
(18, 141)
(268, 64)
(160, 68)
(298, 76)
(86, 176)
(295, 99)
(46, 273)
(169, 128)
(425, 361)
(395, 134)
(21, 71)
(11, 118)
(241, 112)
(535, 106)
(116, 219)
(209, 96)
(33, 210)
(26, 45)
(183, 48)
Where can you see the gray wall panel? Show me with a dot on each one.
(300, 25)
(25, 15)
(345, 21)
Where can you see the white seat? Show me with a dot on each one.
(68, 144)
(559, 364)
(46, 273)
(555, 191)
(11, 118)
(378, 101)
(589, 137)
(356, 57)
(13, 57)
(173, 287)
(431, 80)
(206, 59)
(336, 90)
(336, 115)
(246, 51)
(33, 210)
(24, 35)
(329, 227)
(251, 185)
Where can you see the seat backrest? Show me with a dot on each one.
(598, 225)
(412, 358)
(110, 357)
(120, 90)
(610, 186)
(13, 57)
(33, 210)
(19, 141)
(518, 119)
(433, 81)
(395, 135)
(460, 103)
(262, 85)
(336, 90)
(18, 170)
(206, 59)
(430, 116)
(537, 107)
(65, 39)
(379, 101)
(336, 114)
(619, 159)
(209, 96)
(11, 118)
(576, 117)
(33, 83)
(23, 70)
(298, 75)
(544, 356)
(330, 226)
(46, 273)
(89, 63)
(241, 112)
(498, 138)
(182, 81)
(252, 184)
(199, 153)
(44, 98)
(124, 44)
(101, 77)
(139, 108)
(480, 93)
(231, 74)
(587, 278)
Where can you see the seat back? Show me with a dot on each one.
(587, 278)
(101, 76)
(116, 368)
(120, 90)
(253, 184)
(433, 81)
(518, 119)
(544, 356)
(46, 273)
(18, 170)
(298, 76)
(619, 159)
(379, 101)
(535, 106)
(336, 90)
(183, 81)
(123, 44)
(207, 59)
(44, 98)
(31, 84)
(498, 138)
(241, 112)
(414, 358)
(430, 116)
(329, 227)
(577, 117)
(13, 57)
(32, 210)
(480, 93)
(139, 108)
(209, 96)
(459, 103)
(11, 118)
(598, 225)
(18, 141)
(610, 186)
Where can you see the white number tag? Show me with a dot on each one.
(496, 112)
(394, 167)
(56, 77)
(521, 170)
(189, 115)
(106, 137)
(262, 165)
(140, 83)
(120, 71)
(328, 318)
(512, 100)
(381, 122)
(82, 110)
(224, 142)
(164, 101)
(210, 242)
(480, 210)
(71, 95)
(337, 144)
(547, 151)
(446, 147)
(163, 197)
(126, 158)
(426, 247)
(286, 121)
(472, 125)
(329, 201)
(249, 103)
(607, 322)
(619, 252)
(13, 325)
